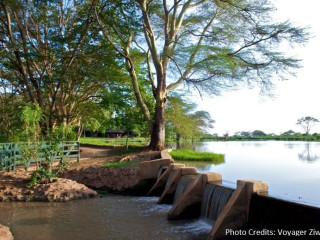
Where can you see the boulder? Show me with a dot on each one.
(5, 233)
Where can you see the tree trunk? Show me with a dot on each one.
(158, 129)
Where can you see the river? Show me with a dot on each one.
(292, 169)
(112, 217)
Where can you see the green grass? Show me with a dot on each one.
(189, 155)
(113, 142)
(101, 191)
(121, 164)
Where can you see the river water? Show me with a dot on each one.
(113, 217)
(291, 169)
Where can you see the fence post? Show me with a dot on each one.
(78, 146)
(62, 151)
(14, 157)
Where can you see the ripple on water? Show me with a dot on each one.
(109, 218)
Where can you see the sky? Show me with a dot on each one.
(299, 96)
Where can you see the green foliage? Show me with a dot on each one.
(123, 164)
(29, 116)
(307, 123)
(111, 142)
(101, 191)
(256, 133)
(44, 175)
(126, 114)
(286, 136)
(61, 133)
(65, 62)
(183, 121)
(189, 155)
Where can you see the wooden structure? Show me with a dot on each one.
(11, 154)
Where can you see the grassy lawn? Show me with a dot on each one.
(113, 142)
(121, 164)
(189, 155)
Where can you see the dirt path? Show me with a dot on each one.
(97, 156)
(95, 152)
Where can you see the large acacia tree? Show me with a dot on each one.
(50, 56)
(210, 45)
(307, 123)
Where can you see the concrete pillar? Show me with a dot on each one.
(159, 186)
(235, 213)
(192, 196)
(150, 169)
(171, 185)
(165, 155)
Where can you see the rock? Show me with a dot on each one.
(15, 188)
(5, 233)
(61, 190)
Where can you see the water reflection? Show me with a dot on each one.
(182, 145)
(284, 165)
(290, 145)
(307, 155)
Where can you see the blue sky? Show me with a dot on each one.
(247, 110)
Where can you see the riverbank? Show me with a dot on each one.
(78, 180)
(14, 187)
(93, 173)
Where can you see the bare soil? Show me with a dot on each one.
(89, 172)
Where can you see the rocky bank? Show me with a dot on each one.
(14, 187)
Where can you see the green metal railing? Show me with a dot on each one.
(11, 154)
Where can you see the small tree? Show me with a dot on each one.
(183, 120)
(30, 117)
(307, 123)
(258, 133)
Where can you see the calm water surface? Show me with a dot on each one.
(292, 169)
(113, 217)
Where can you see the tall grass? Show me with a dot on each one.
(189, 155)
(121, 164)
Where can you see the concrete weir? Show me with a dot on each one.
(192, 196)
(235, 213)
(168, 194)
(185, 189)
(148, 173)
(203, 195)
(162, 178)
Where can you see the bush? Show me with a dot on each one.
(189, 155)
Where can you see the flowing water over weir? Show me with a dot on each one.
(184, 183)
(214, 199)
